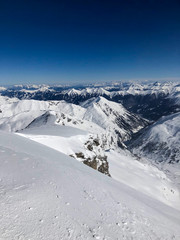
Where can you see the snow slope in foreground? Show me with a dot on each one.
(123, 167)
(47, 195)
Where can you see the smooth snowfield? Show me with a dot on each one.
(143, 177)
(48, 195)
(67, 140)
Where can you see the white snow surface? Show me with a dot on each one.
(48, 195)
(67, 140)
(165, 136)
(160, 145)
(143, 177)
(45, 194)
(123, 167)
(96, 114)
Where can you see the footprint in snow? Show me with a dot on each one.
(96, 236)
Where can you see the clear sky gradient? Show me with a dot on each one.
(89, 40)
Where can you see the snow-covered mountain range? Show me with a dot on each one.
(151, 101)
(44, 143)
(97, 113)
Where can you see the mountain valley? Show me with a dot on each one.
(91, 147)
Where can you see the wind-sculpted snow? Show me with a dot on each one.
(47, 195)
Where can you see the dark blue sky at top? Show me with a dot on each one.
(87, 41)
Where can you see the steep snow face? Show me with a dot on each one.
(175, 94)
(113, 117)
(71, 92)
(161, 143)
(47, 195)
(18, 114)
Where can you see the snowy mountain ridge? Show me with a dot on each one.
(104, 89)
(99, 113)
(150, 101)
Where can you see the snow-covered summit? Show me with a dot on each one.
(71, 92)
(113, 116)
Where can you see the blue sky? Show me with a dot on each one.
(89, 41)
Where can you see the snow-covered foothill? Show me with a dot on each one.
(160, 142)
(160, 145)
